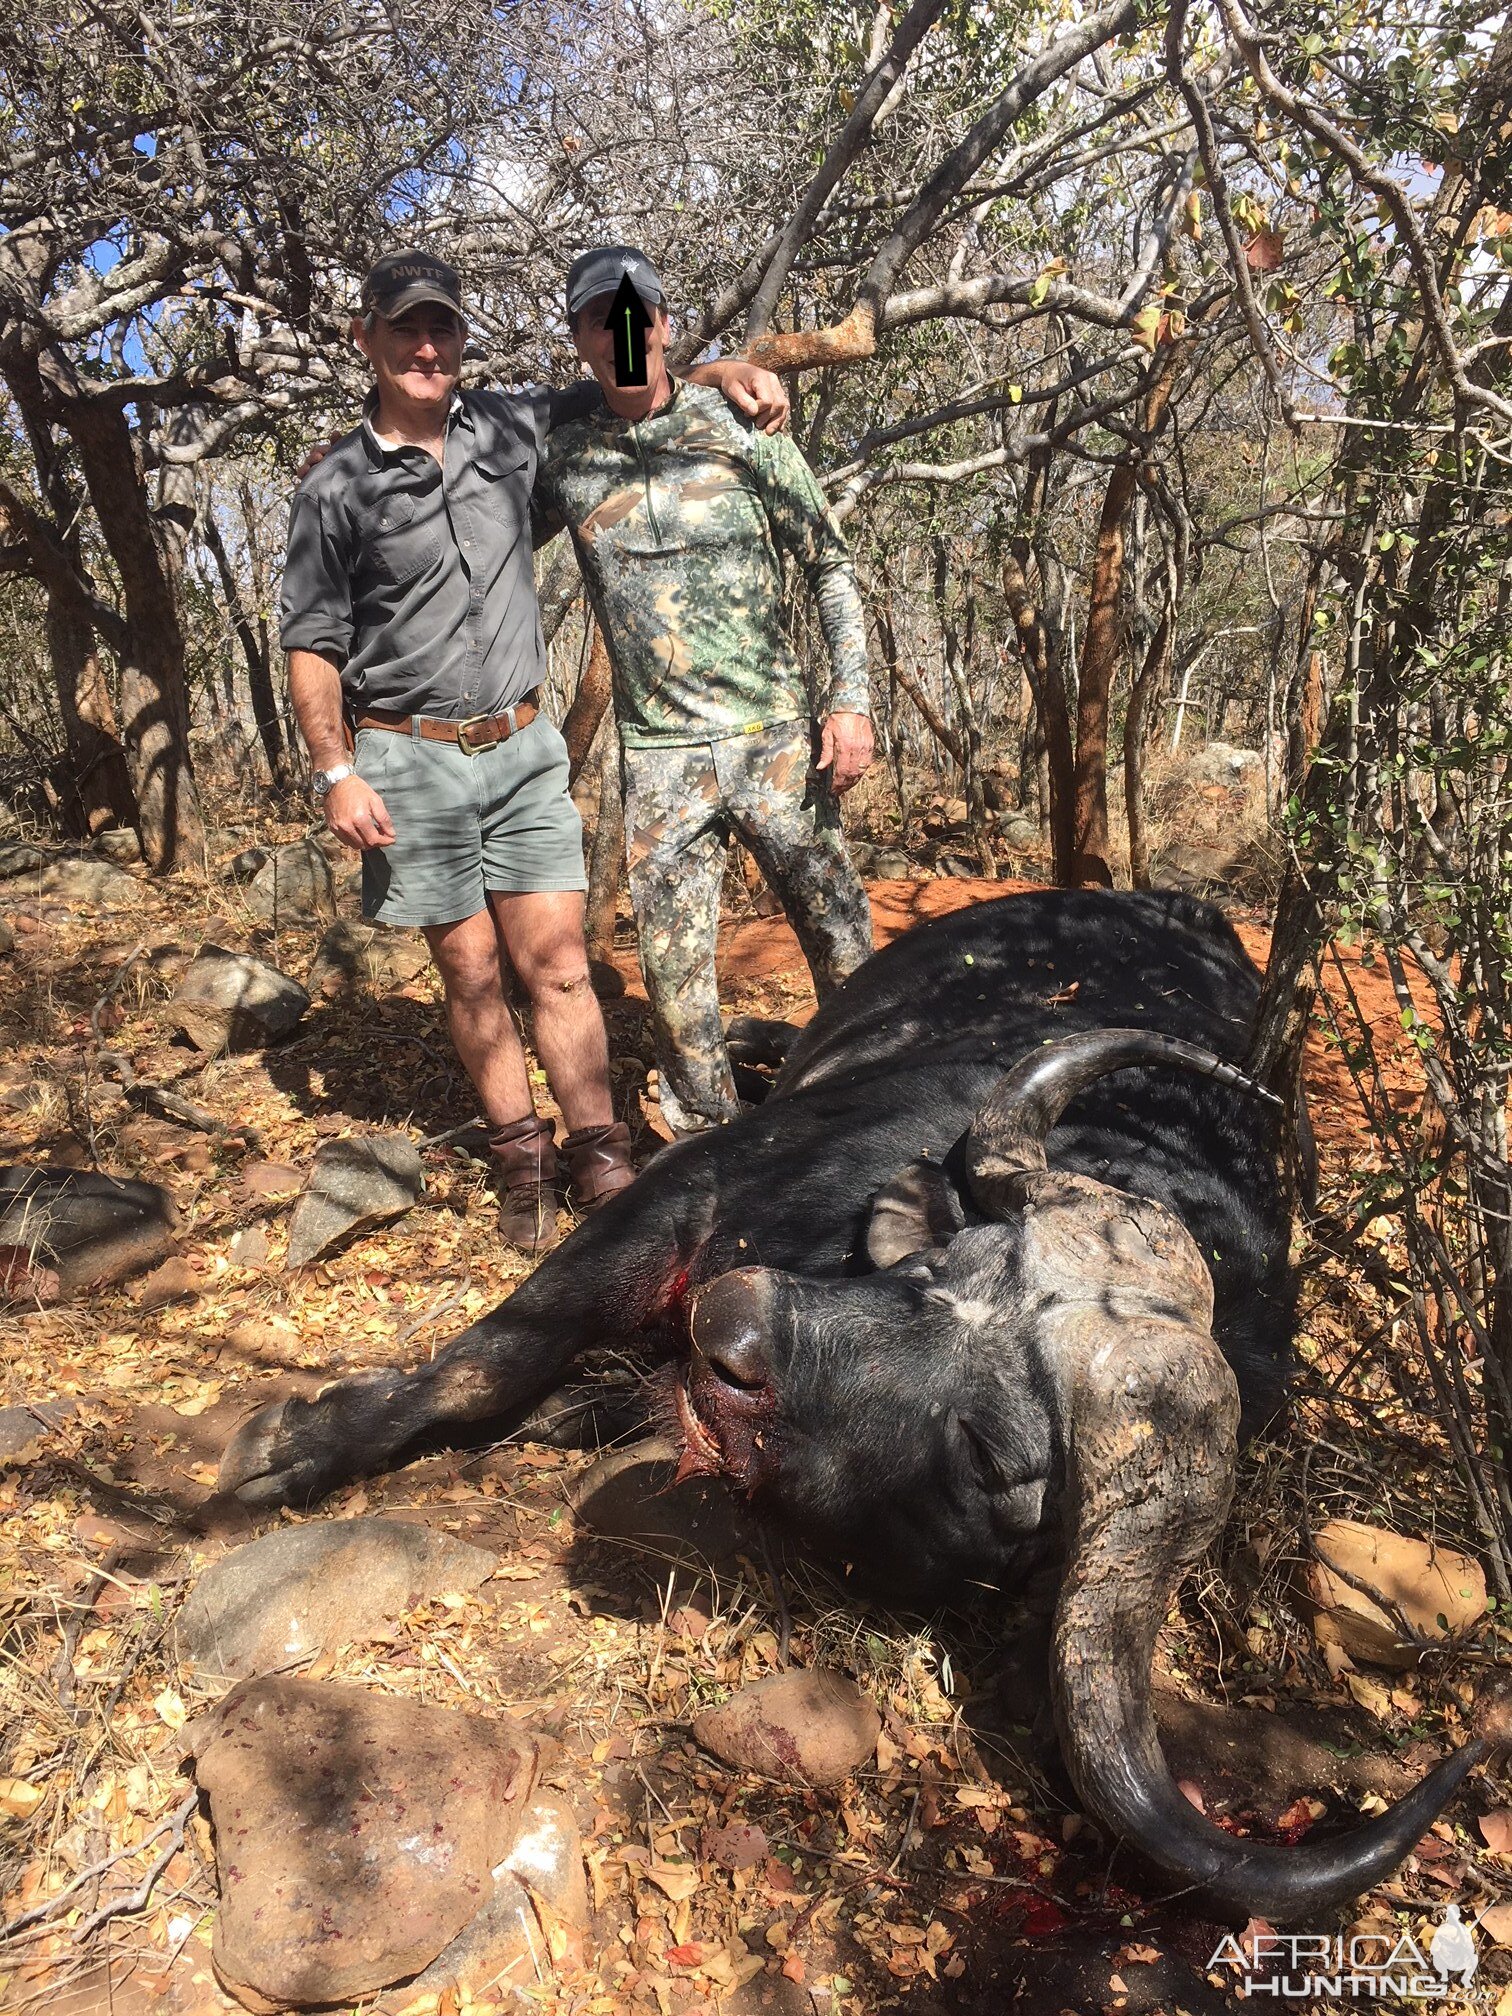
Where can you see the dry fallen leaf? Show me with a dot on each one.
(1496, 1830)
(678, 1880)
(1497, 1923)
(18, 1798)
(170, 1708)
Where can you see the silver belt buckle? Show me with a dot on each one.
(472, 748)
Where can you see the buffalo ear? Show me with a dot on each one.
(918, 1211)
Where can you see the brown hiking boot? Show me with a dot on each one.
(526, 1154)
(598, 1163)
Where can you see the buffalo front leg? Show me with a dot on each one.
(295, 1451)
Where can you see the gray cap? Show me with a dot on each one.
(599, 272)
(403, 280)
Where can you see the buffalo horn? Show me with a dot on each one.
(1007, 1141)
(1153, 1417)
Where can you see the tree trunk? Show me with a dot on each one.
(1150, 674)
(948, 740)
(254, 644)
(887, 638)
(606, 860)
(971, 733)
(1054, 714)
(154, 698)
(1099, 662)
(1100, 652)
(588, 707)
(94, 785)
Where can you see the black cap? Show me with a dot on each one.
(599, 272)
(403, 280)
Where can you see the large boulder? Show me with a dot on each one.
(19, 857)
(85, 879)
(231, 1001)
(502, 1946)
(1366, 1584)
(366, 959)
(290, 1593)
(295, 886)
(63, 1230)
(355, 1834)
(364, 1180)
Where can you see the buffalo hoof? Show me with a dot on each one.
(278, 1458)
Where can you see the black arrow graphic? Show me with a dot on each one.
(629, 319)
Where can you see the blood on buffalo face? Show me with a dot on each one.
(903, 1421)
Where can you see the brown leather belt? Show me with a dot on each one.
(472, 737)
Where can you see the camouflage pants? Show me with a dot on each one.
(682, 803)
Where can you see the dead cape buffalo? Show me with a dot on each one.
(990, 1278)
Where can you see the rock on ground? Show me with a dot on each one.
(261, 1180)
(333, 1582)
(884, 864)
(361, 1181)
(7, 937)
(1364, 1579)
(295, 884)
(119, 844)
(811, 1728)
(366, 958)
(63, 1230)
(19, 857)
(231, 1001)
(503, 1945)
(23, 1430)
(628, 1496)
(177, 1280)
(251, 861)
(355, 1834)
(81, 879)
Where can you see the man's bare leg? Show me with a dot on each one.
(543, 935)
(478, 1014)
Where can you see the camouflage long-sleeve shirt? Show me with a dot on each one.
(681, 523)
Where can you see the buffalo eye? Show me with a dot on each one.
(985, 1467)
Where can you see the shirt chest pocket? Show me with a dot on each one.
(404, 542)
(501, 487)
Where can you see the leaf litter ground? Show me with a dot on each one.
(953, 1874)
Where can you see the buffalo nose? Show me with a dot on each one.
(729, 1326)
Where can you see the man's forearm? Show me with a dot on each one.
(714, 372)
(315, 689)
(843, 621)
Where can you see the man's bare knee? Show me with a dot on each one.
(560, 983)
(473, 986)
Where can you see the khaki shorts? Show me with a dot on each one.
(465, 826)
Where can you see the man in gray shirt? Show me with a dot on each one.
(409, 610)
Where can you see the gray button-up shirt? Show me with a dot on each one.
(419, 583)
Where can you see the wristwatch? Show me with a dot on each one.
(323, 780)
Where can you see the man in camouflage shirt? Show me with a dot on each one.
(682, 516)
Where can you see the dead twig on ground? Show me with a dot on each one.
(173, 1825)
